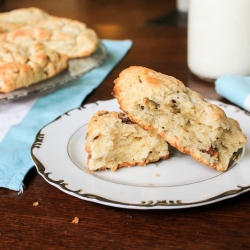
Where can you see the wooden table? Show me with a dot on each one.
(222, 225)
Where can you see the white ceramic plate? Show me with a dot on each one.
(179, 182)
(76, 68)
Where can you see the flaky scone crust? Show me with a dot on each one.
(17, 18)
(22, 66)
(65, 36)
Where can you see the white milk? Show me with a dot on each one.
(219, 37)
(182, 5)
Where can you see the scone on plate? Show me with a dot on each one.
(22, 66)
(181, 116)
(113, 141)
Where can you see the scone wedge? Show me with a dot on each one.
(113, 141)
(181, 116)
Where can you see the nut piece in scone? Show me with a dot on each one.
(113, 141)
(181, 116)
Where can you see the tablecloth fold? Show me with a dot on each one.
(235, 88)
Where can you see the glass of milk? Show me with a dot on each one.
(219, 38)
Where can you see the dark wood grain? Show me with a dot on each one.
(222, 225)
(127, 13)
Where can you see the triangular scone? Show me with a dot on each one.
(65, 36)
(22, 66)
(181, 116)
(113, 141)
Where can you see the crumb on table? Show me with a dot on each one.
(75, 220)
(35, 204)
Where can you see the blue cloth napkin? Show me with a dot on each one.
(20, 121)
(235, 88)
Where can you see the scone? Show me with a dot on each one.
(35, 46)
(65, 36)
(17, 18)
(113, 141)
(181, 116)
(22, 66)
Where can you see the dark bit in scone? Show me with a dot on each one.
(181, 116)
(114, 141)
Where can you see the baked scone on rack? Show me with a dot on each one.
(65, 36)
(35, 46)
(20, 17)
(113, 141)
(181, 116)
(22, 66)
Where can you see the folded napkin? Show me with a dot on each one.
(21, 120)
(235, 88)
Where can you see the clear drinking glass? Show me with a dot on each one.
(219, 38)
